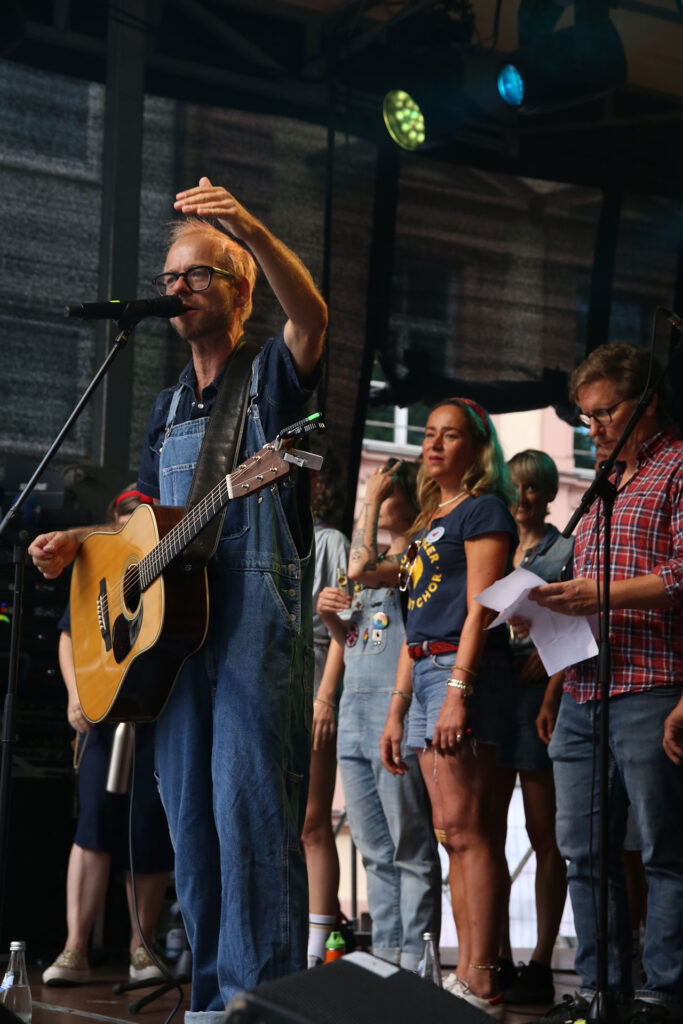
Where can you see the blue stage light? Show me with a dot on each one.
(511, 86)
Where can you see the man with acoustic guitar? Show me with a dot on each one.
(232, 743)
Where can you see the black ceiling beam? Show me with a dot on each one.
(633, 131)
(223, 31)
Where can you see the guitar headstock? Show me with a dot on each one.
(259, 471)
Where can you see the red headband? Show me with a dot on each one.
(479, 412)
(142, 498)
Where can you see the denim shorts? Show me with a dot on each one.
(488, 709)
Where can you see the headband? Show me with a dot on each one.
(142, 498)
(479, 412)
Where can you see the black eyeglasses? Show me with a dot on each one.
(406, 565)
(197, 279)
(601, 416)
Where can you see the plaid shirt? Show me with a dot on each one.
(647, 538)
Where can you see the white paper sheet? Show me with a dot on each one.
(561, 640)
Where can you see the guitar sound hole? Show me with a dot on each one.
(131, 589)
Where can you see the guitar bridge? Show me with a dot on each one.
(103, 615)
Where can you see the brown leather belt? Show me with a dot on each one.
(430, 647)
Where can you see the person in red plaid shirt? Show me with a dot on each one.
(646, 687)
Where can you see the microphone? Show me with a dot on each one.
(135, 309)
(673, 318)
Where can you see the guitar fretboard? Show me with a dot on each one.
(258, 472)
(170, 546)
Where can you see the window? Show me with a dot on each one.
(393, 426)
(584, 449)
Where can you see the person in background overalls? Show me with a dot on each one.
(233, 742)
(389, 816)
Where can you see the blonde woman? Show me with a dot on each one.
(456, 674)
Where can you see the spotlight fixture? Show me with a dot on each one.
(477, 90)
(404, 119)
(510, 86)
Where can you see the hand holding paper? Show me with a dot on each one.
(560, 640)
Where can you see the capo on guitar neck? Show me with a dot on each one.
(304, 460)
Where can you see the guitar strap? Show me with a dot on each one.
(220, 448)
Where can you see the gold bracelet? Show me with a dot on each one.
(460, 684)
(400, 693)
(327, 703)
(469, 671)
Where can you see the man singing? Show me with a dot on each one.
(232, 744)
(646, 703)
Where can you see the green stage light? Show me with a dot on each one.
(404, 119)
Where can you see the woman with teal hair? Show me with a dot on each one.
(454, 674)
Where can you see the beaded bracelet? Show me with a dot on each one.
(400, 693)
(327, 703)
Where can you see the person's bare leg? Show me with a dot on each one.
(320, 850)
(504, 787)
(87, 878)
(538, 792)
(150, 891)
(459, 909)
(462, 784)
(456, 891)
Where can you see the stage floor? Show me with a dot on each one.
(97, 1002)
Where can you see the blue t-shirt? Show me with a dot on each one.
(280, 399)
(437, 591)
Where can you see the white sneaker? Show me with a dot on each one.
(493, 1007)
(70, 968)
(142, 967)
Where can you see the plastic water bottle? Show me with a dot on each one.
(14, 991)
(429, 967)
(335, 947)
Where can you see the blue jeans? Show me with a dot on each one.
(233, 746)
(390, 823)
(642, 774)
(389, 816)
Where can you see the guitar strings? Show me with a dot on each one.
(140, 576)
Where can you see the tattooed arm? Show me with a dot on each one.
(366, 565)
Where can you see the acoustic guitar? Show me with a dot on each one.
(137, 614)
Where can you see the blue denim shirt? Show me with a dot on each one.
(551, 556)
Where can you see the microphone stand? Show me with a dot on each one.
(13, 531)
(603, 488)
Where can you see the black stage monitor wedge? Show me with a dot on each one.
(358, 989)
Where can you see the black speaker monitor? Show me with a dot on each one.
(358, 989)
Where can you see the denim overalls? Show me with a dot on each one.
(389, 816)
(233, 743)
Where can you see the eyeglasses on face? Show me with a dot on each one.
(406, 565)
(197, 279)
(601, 416)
